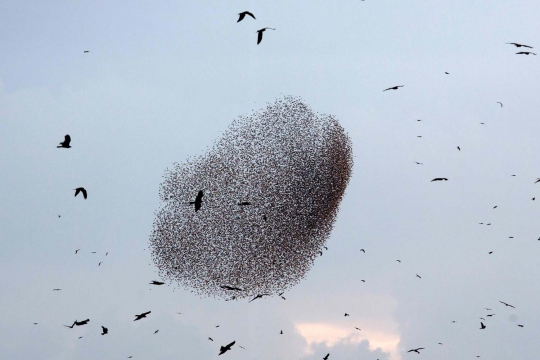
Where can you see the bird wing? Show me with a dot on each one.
(250, 14)
(67, 139)
(241, 17)
(259, 36)
(527, 46)
(199, 196)
(77, 191)
(231, 344)
(84, 193)
(146, 313)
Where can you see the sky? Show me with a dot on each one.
(161, 82)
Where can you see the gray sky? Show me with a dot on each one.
(162, 81)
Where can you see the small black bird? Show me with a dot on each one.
(520, 45)
(226, 348)
(498, 102)
(143, 315)
(243, 15)
(490, 315)
(76, 251)
(104, 331)
(78, 323)
(439, 179)
(520, 325)
(347, 314)
(418, 276)
(502, 302)
(537, 180)
(364, 251)
(86, 51)
(358, 329)
(326, 357)
(459, 148)
(482, 326)
(232, 288)
(243, 203)
(56, 289)
(155, 332)
(525, 53)
(417, 350)
(260, 34)
(418, 163)
(198, 201)
(65, 143)
(154, 282)
(393, 87)
(210, 339)
(398, 260)
(281, 332)
(258, 297)
(81, 190)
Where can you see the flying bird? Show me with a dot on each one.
(520, 45)
(502, 302)
(76, 251)
(520, 325)
(446, 72)
(198, 201)
(65, 143)
(482, 326)
(439, 179)
(260, 34)
(358, 329)
(226, 348)
(210, 339)
(101, 262)
(459, 148)
(78, 323)
(281, 332)
(418, 276)
(243, 203)
(155, 332)
(398, 260)
(326, 357)
(259, 296)
(394, 87)
(537, 180)
(498, 102)
(242, 15)
(86, 51)
(418, 163)
(525, 53)
(154, 282)
(143, 315)
(81, 190)
(417, 350)
(347, 314)
(104, 331)
(364, 251)
(56, 289)
(232, 288)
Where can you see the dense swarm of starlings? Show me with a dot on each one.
(271, 188)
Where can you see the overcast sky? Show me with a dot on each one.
(161, 82)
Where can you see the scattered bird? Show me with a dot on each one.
(446, 72)
(417, 350)
(537, 180)
(104, 331)
(242, 15)
(154, 282)
(155, 332)
(93, 252)
(502, 302)
(210, 339)
(76, 251)
(232, 288)
(259, 296)
(241, 347)
(490, 315)
(482, 326)
(86, 51)
(439, 179)
(520, 45)
(65, 144)
(244, 203)
(143, 315)
(418, 163)
(459, 148)
(491, 252)
(78, 323)
(347, 314)
(226, 348)
(398, 260)
(498, 102)
(101, 262)
(260, 34)
(358, 329)
(198, 201)
(326, 357)
(525, 53)
(35, 323)
(56, 289)
(418, 276)
(393, 87)
(364, 251)
(520, 325)
(281, 332)
(81, 190)
(495, 206)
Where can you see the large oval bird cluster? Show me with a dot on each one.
(271, 188)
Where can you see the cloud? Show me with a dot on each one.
(323, 338)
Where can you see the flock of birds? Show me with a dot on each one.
(198, 203)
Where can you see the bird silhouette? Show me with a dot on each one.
(243, 203)
(78, 323)
(347, 314)
(226, 348)
(56, 289)
(104, 330)
(155, 332)
(525, 53)
(439, 179)
(537, 180)
(326, 357)
(364, 251)
(446, 72)
(398, 260)
(81, 190)
(154, 282)
(482, 326)
(198, 201)
(210, 339)
(86, 51)
(393, 87)
(418, 163)
(281, 332)
(418, 276)
(520, 325)
(35, 323)
(520, 45)
(65, 144)
(417, 350)
(242, 15)
(260, 34)
(259, 296)
(502, 302)
(101, 262)
(459, 148)
(143, 315)
(232, 288)
(498, 102)
(76, 251)
(490, 315)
